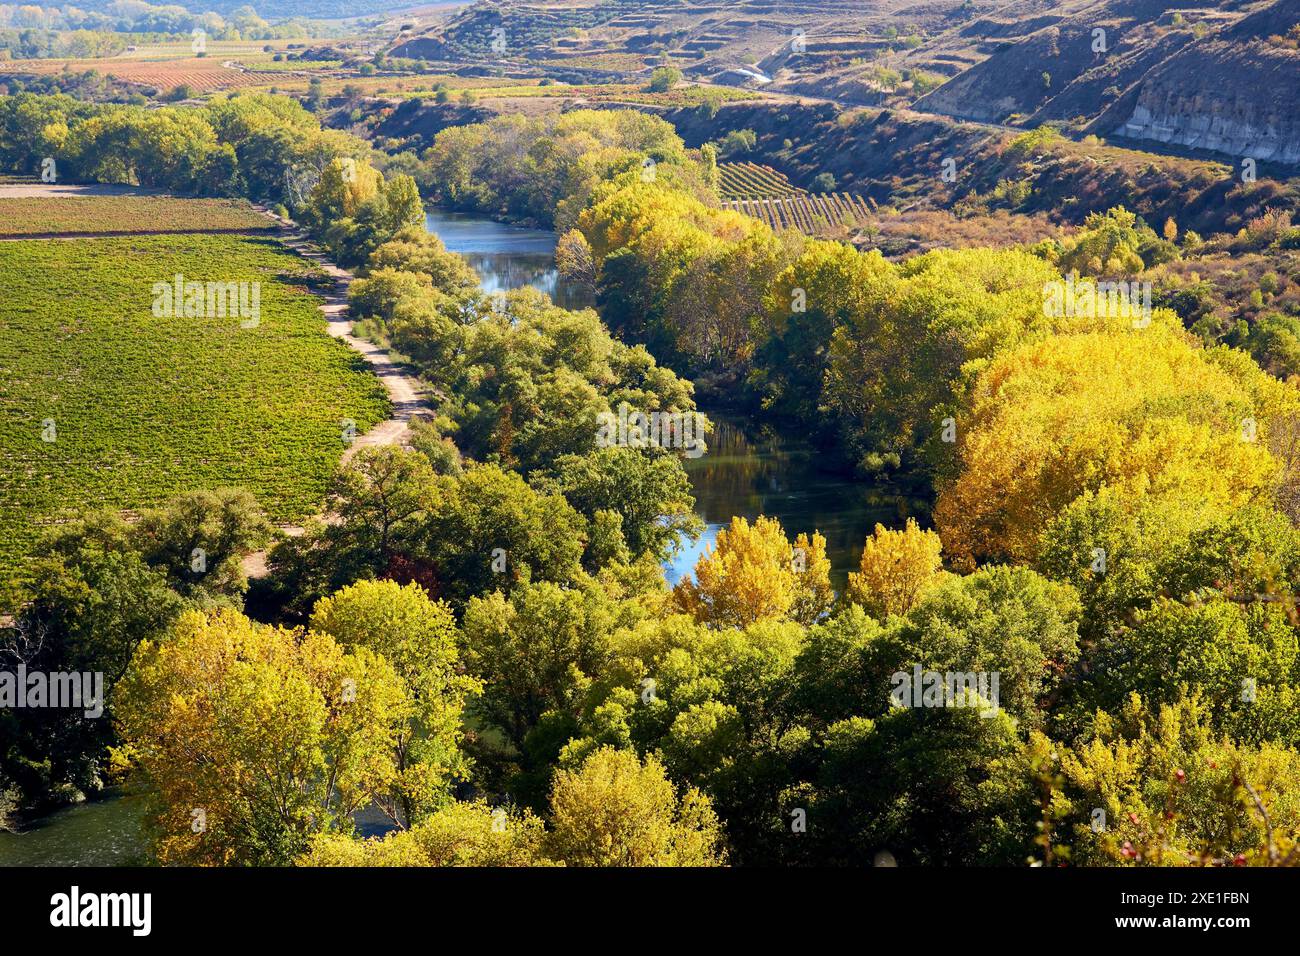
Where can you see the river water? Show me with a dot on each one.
(746, 472)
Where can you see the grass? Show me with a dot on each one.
(145, 407)
(39, 216)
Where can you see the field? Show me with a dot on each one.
(140, 408)
(201, 74)
(813, 215)
(267, 63)
(37, 216)
(605, 93)
(752, 181)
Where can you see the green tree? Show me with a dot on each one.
(419, 638)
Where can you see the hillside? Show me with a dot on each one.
(1153, 70)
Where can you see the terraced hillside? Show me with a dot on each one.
(1218, 75)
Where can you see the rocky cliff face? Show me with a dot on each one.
(1238, 118)
(1234, 94)
(1219, 75)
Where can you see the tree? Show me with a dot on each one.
(896, 569)
(535, 650)
(1174, 792)
(663, 79)
(200, 539)
(490, 531)
(378, 494)
(907, 336)
(617, 811)
(574, 260)
(753, 573)
(1143, 413)
(648, 489)
(89, 603)
(1006, 621)
(459, 834)
(419, 638)
(413, 248)
(254, 738)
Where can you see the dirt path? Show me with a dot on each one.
(404, 389)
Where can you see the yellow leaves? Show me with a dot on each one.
(615, 811)
(1142, 412)
(459, 834)
(255, 736)
(344, 186)
(753, 573)
(896, 568)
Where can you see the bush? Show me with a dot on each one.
(663, 79)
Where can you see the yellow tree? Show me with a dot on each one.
(419, 638)
(617, 811)
(1143, 412)
(459, 834)
(896, 568)
(753, 573)
(254, 738)
(344, 185)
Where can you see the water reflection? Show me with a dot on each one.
(762, 473)
(742, 474)
(108, 832)
(505, 256)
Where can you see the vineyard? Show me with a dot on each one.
(752, 181)
(201, 74)
(104, 404)
(681, 96)
(54, 215)
(811, 215)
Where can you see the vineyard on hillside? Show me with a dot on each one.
(809, 214)
(752, 181)
(767, 195)
(200, 74)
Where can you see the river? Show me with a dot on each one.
(746, 471)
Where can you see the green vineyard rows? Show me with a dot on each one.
(144, 407)
(752, 181)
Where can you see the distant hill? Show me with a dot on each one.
(270, 9)
(1218, 75)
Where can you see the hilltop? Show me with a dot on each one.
(1213, 75)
